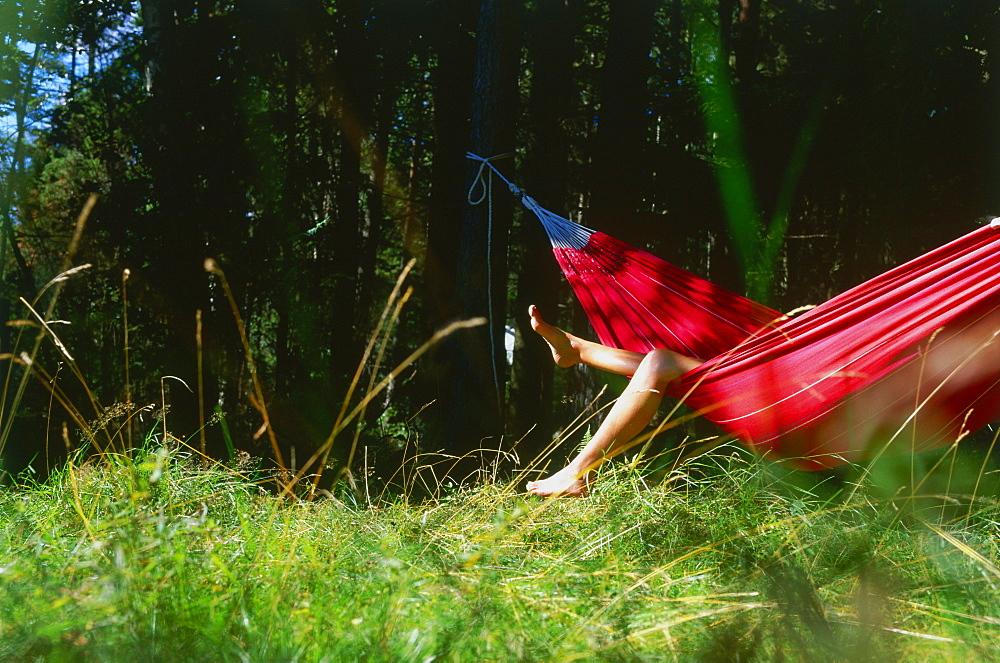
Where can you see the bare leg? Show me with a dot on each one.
(629, 415)
(568, 350)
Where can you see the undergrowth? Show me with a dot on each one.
(156, 557)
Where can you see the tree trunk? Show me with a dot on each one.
(26, 280)
(473, 396)
(199, 213)
(351, 67)
(746, 42)
(617, 170)
(155, 15)
(452, 97)
(539, 282)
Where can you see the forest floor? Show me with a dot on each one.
(157, 558)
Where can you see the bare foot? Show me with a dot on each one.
(564, 483)
(563, 350)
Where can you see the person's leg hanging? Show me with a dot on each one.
(630, 413)
(568, 349)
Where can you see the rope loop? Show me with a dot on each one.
(481, 180)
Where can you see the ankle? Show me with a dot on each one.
(581, 468)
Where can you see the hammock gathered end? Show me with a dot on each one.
(907, 361)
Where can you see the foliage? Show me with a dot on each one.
(149, 555)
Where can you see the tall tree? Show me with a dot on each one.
(473, 397)
(552, 29)
(454, 50)
(617, 174)
(353, 99)
(24, 86)
(199, 166)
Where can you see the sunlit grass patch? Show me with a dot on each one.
(157, 555)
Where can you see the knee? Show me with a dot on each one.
(662, 367)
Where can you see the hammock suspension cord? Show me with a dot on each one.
(562, 232)
(485, 182)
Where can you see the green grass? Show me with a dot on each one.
(159, 558)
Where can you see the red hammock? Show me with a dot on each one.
(909, 359)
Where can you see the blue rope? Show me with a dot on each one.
(561, 231)
(483, 180)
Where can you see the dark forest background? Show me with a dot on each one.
(787, 149)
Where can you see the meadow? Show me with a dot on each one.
(156, 556)
(159, 553)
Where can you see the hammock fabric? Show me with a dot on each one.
(908, 360)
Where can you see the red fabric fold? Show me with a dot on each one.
(639, 302)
